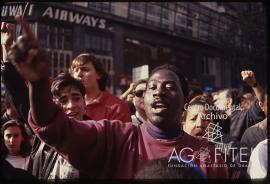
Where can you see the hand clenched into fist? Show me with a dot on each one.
(249, 77)
(7, 33)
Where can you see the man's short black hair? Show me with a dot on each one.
(235, 94)
(63, 80)
(181, 77)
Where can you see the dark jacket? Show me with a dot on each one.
(43, 158)
(10, 173)
(241, 120)
(16, 88)
(252, 136)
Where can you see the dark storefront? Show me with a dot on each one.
(67, 29)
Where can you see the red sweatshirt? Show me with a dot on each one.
(108, 107)
(113, 150)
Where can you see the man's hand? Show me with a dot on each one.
(25, 55)
(7, 34)
(7, 38)
(249, 77)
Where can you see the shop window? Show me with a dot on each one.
(55, 37)
(61, 60)
(181, 20)
(98, 43)
(137, 11)
(68, 61)
(139, 6)
(120, 9)
(153, 14)
(182, 7)
(55, 60)
(203, 30)
(167, 20)
(101, 6)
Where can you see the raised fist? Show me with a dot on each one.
(7, 34)
(249, 77)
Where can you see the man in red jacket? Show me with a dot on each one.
(100, 103)
(107, 148)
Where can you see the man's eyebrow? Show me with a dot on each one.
(171, 81)
(164, 81)
(76, 94)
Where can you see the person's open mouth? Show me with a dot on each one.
(159, 107)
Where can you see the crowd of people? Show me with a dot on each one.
(71, 127)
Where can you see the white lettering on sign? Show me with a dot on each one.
(70, 16)
(13, 10)
(77, 18)
(63, 15)
(102, 23)
(86, 21)
(48, 12)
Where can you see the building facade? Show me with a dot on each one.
(125, 35)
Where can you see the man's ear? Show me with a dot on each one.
(183, 125)
(98, 76)
(261, 104)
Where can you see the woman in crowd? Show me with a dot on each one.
(202, 121)
(15, 144)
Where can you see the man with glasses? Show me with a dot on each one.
(139, 117)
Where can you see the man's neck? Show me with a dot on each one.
(229, 111)
(91, 95)
(158, 133)
(141, 113)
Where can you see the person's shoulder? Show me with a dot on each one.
(263, 143)
(110, 96)
(260, 149)
(250, 130)
(112, 99)
(254, 130)
(196, 141)
(107, 122)
(116, 126)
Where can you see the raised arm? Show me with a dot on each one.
(13, 82)
(124, 96)
(249, 77)
(33, 66)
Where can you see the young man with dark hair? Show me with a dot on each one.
(112, 149)
(68, 93)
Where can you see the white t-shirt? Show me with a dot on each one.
(18, 161)
(257, 167)
(63, 170)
